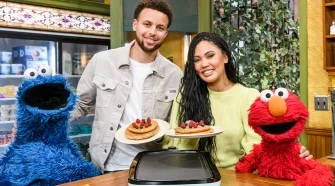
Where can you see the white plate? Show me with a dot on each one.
(163, 127)
(216, 130)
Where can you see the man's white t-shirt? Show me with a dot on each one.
(121, 154)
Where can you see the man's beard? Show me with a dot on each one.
(145, 49)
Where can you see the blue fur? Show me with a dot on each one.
(43, 153)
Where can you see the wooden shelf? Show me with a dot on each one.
(328, 40)
(330, 4)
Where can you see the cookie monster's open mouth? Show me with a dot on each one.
(49, 96)
(277, 128)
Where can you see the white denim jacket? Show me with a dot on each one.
(106, 83)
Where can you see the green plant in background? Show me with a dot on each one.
(264, 40)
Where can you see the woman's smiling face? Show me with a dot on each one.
(209, 63)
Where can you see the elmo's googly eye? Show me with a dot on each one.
(45, 70)
(282, 92)
(266, 95)
(30, 73)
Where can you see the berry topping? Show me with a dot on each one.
(142, 123)
(146, 125)
(143, 120)
(201, 122)
(192, 123)
(138, 121)
(182, 125)
(148, 119)
(134, 125)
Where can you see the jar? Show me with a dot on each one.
(332, 28)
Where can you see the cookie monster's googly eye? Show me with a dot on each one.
(266, 95)
(30, 73)
(282, 92)
(45, 70)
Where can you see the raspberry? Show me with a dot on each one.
(134, 125)
(192, 123)
(138, 121)
(148, 119)
(182, 125)
(142, 123)
(146, 125)
(201, 122)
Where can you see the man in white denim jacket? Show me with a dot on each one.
(126, 83)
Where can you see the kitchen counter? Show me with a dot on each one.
(228, 177)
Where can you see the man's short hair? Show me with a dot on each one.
(159, 5)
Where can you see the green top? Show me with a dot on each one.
(230, 110)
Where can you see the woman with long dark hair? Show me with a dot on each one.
(212, 91)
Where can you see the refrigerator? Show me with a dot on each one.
(67, 54)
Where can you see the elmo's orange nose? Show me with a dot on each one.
(277, 106)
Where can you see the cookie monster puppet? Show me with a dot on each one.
(42, 152)
(279, 117)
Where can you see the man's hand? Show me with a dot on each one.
(304, 153)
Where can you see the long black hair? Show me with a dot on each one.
(195, 104)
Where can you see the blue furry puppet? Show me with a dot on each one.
(42, 153)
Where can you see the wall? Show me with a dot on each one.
(318, 81)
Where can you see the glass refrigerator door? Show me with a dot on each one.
(16, 55)
(75, 57)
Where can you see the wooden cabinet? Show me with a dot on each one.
(328, 40)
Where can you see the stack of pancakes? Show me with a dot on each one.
(192, 127)
(142, 129)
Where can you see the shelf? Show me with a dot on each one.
(7, 122)
(328, 40)
(7, 99)
(330, 36)
(11, 76)
(80, 136)
(72, 76)
(3, 145)
(330, 4)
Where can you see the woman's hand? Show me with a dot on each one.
(304, 153)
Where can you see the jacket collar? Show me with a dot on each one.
(123, 60)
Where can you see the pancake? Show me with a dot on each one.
(142, 129)
(192, 127)
(137, 136)
(146, 127)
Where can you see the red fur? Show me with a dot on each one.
(277, 156)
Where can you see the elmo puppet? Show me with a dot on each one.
(43, 153)
(279, 117)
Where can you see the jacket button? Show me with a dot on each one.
(127, 82)
(119, 106)
(111, 128)
(166, 97)
(103, 85)
(105, 150)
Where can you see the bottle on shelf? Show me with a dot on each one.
(332, 28)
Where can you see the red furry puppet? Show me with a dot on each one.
(279, 117)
